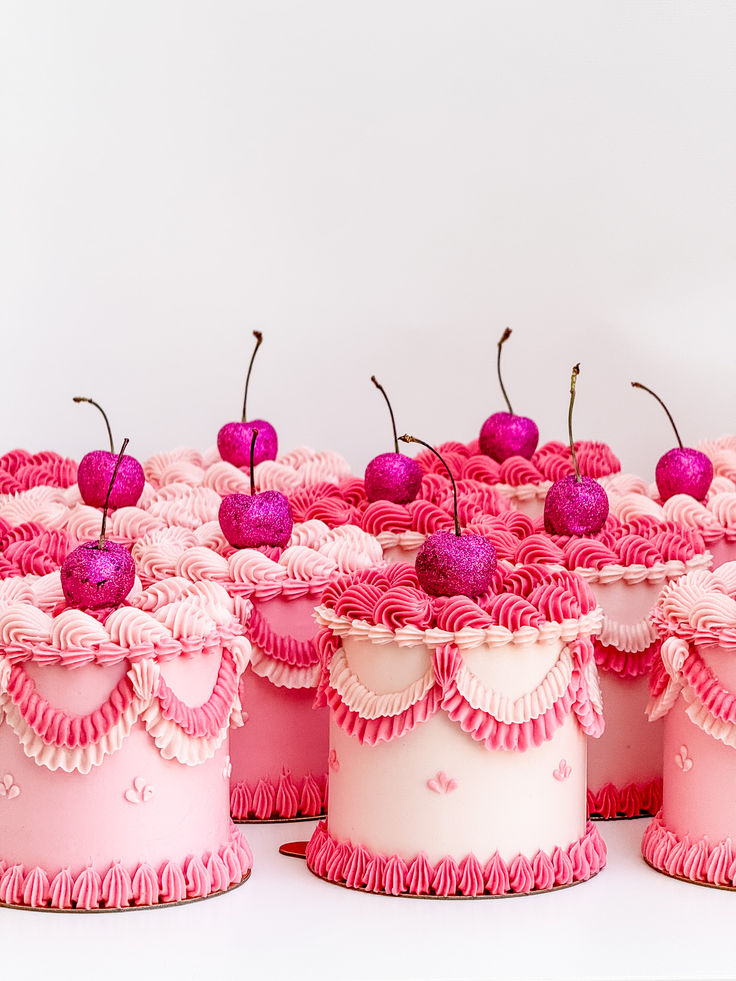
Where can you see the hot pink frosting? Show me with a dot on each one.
(550, 462)
(358, 868)
(20, 470)
(630, 801)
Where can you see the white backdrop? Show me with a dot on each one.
(380, 187)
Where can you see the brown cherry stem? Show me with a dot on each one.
(575, 373)
(109, 492)
(81, 398)
(504, 337)
(382, 390)
(259, 340)
(669, 414)
(413, 439)
(252, 454)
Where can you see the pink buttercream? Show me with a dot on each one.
(632, 800)
(356, 867)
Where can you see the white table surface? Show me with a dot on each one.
(628, 922)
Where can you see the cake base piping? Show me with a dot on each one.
(355, 867)
(634, 800)
(114, 889)
(288, 799)
(698, 861)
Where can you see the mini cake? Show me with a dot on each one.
(694, 691)
(626, 566)
(279, 758)
(524, 482)
(458, 735)
(114, 736)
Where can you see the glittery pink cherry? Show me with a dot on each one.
(575, 505)
(681, 470)
(234, 438)
(96, 469)
(505, 434)
(392, 476)
(100, 573)
(451, 563)
(252, 520)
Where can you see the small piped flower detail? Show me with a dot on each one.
(563, 771)
(442, 784)
(684, 761)
(8, 787)
(333, 761)
(139, 792)
(227, 768)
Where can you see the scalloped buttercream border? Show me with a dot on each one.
(356, 867)
(289, 797)
(630, 801)
(699, 860)
(116, 887)
(191, 736)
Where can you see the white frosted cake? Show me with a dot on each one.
(458, 734)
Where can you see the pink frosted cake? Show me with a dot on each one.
(279, 758)
(694, 691)
(626, 566)
(524, 482)
(114, 734)
(458, 735)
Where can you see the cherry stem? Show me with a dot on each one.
(413, 439)
(575, 373)
(504, 337)
(252, 454)
(382, 390)
(259, 340)
(669, 414)
(81, 398)
(109, 491)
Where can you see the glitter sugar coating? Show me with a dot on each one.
(503, 435)
(575, 507)
(684, 471)
(95, 473)
(94, 577)
(453, 565)
(234, 439)
(393, 477)
(252, 520)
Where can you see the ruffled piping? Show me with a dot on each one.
(710, 706)
(628, 665)
(486, 715)
(630, 801)
(357, 867)
(58, 740)
(116, 887)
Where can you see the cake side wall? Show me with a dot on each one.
(438, 790)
